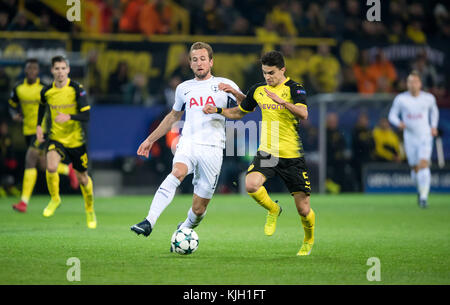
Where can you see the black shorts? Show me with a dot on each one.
(293, 171)
(78, 155)
(33, 142)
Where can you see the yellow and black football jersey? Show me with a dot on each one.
(70, 99)
(279, 126)
(25, 100)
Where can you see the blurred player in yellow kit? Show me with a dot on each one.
(69, 111)
(23, 106)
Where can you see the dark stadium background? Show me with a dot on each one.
(348, 65)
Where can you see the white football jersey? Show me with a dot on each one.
(418, 113)
(191, 96)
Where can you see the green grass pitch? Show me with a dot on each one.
(412, 244)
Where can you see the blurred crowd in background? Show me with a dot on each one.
(403, 21)
(420, 23)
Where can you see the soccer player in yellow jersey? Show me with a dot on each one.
(23, 106)
(69, 110)
(283, 104)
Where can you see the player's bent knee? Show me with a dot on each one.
(253, 182)
(179, 173)
(32, 158)
(52, 170)
(82, 177)
(179, 176)
(30, 163)
(52, 167)
(303, 210)
(252, 187)
(423, 164)
(302, 203)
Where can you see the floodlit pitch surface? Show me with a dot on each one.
(412, 244)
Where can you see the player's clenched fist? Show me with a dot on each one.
(208, 109)
(144, 148)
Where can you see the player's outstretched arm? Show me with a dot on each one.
(230, 113)
(162, 129)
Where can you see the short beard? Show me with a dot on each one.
(202, 76)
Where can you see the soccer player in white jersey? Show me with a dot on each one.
(200, 148)
(415, 112)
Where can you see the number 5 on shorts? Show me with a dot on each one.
(84, 160)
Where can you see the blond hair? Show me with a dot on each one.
(201, 45)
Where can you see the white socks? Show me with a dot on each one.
(423, 182)
(163, 197)
(192, 219)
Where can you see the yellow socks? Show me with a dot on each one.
(63, 169)
(262, 198)
(29, 180)
(53, 185)
(88, 195)
(308, 223)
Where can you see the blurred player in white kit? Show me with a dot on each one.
(200, 148)
(416, 113)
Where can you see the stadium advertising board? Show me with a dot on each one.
(382, 179)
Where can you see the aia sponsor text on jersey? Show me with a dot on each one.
(414, 116)
(200, 102)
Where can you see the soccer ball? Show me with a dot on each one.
(184, 241)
